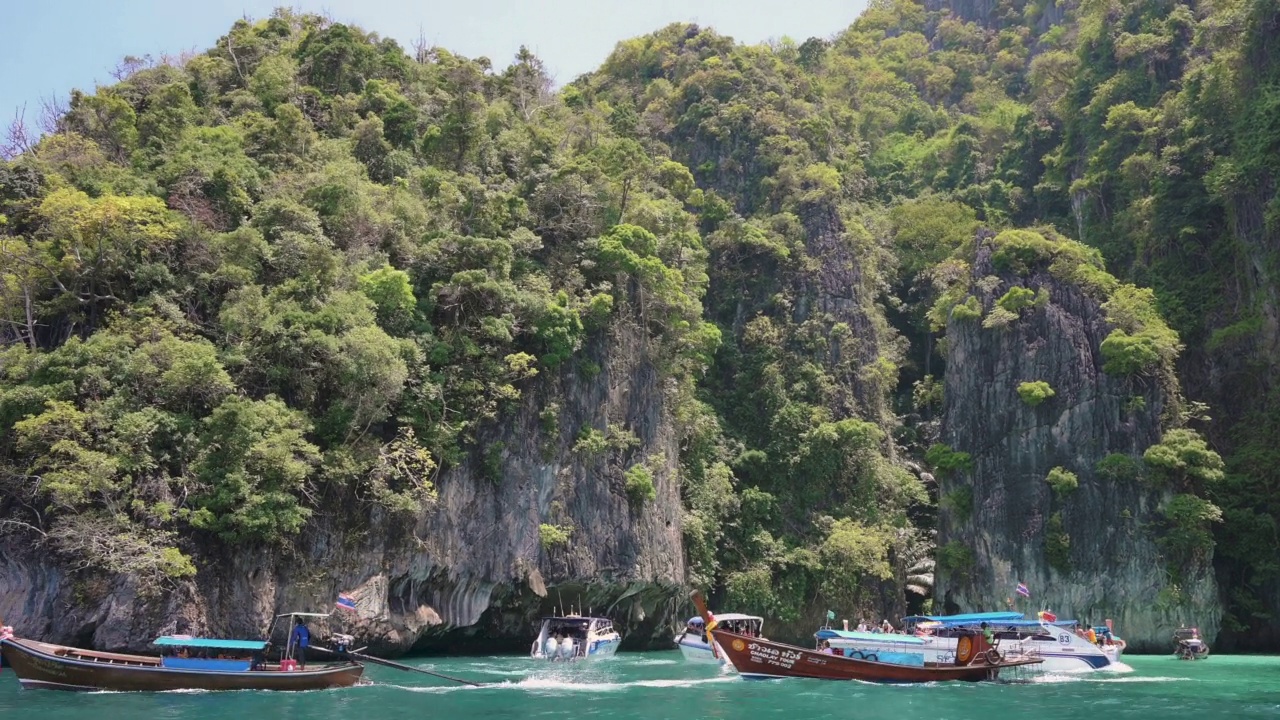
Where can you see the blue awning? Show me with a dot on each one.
(969, 618)
(1019, 623)
(868, 637)
(212, 643)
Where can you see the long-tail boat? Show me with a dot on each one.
(184, 663)
(754, 657)
(192, 664)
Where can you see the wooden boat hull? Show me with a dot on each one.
(759, 658)
(54, 667)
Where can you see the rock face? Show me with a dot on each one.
(1114, 569)
(471, 565)
(836, 292)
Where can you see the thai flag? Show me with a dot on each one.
(346, 602)
(1023, 591)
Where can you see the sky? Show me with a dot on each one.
(53, 46)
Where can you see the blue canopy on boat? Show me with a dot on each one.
(868, 637)
(963, 619)
(1017, 623)
(212, 643)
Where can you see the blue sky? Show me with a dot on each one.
(52, 46)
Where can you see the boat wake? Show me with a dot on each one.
(555, 685)
(495, 669)
(1146, 680)
(552, 684)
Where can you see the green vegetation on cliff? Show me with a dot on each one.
(307, 270)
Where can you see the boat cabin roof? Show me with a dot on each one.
(997, 624)
(867, 637)
(727, 617)
(212, 643)
(578, 619)
(990, 617)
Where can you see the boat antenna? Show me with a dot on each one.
(560, 601)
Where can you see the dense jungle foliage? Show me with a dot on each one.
(306, 268)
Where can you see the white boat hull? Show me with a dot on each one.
(597, 649)
(600, 641)
(1066, 654)
(694, 650)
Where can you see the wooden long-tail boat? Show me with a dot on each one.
(756, 657)
(57, 667)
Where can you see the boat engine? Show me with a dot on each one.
(341, 642)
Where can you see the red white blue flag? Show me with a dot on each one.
(346, 602)
(1023, 591)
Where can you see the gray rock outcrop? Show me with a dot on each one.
(1115, 568)
(473, 564)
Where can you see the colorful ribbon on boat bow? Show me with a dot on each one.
(6, 632)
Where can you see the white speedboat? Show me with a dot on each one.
(695, 646)
(574, 637)
(1189, 646)
(935, 638)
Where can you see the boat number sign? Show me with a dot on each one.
(772, 656)
(1065, 639)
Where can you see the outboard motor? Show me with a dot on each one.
(549, 648)
(566, 648)
(341, 642)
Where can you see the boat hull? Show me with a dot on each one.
(696, 651)
(39, 665)
(759, 658)
(1066, 654)
(597, 649)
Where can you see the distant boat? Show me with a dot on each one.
(574, 637)
(188, 663)
(696, 646)
(1189, 646)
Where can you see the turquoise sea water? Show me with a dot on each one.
(662, 685)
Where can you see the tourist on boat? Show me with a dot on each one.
(301, 639)
(988, 634)
(862, 625)
(825, 649)
(1093, 636)
(886, 626)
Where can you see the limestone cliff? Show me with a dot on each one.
(472, 564)
(1108, 562)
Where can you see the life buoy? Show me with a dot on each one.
(964, 650)
(872, 657)
(993, 656)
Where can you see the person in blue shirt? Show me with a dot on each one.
(300, 639)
